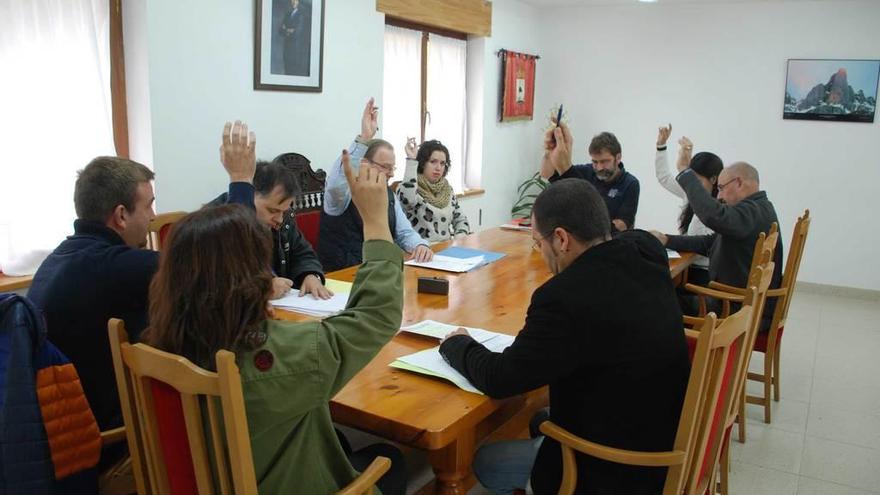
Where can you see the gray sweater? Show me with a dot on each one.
(736, 228)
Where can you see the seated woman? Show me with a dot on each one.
(707, 166)
(426, 195)
(212, 292)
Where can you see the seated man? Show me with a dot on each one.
(619, 188)
(294, 262)
(604, 333)
(741, 212)
(340, 239)
(102, 272)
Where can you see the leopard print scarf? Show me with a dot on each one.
(437, 195)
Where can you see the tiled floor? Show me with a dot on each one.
(825, 434)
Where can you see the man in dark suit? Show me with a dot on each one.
(605, 333)
(296, 30)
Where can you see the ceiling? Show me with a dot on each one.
(556, 3)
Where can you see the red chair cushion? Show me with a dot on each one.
(692, 347)
(761, 339)
(718, 418)
(173, 440)
(309, 224)
(163, 234)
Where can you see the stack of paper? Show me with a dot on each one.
(430, 362)
(309, 305)
(673, 255)
(449, 264)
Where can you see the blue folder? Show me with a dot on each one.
(463, 252)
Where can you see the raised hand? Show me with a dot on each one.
(238, 152)
(369, 192)
(663, 134)
(411, 148)
(558, 144)
(369, 120)
(685, 151)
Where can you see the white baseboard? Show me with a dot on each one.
(839, 291)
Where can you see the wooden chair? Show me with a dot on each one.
(174, 448)
(770, 342)
(770, 240)
(709, 398)
(306, 210)
(160, 227)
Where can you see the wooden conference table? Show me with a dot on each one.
(432, 414)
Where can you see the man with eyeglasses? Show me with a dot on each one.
(618, 188)
(741, 212)
(341, 235)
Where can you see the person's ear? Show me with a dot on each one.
(618, 157)
(118, 218)
(564, 238)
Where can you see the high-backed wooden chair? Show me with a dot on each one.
(768, 240)
(186, 427)
(160, 227)
(709, 397)
(308, 205)
(770, 342)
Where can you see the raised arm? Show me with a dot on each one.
(661, 164)
(238, 156)
(558, 144)
(408, 190)
(337, 195)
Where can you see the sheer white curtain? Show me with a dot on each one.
(56, 116)
(402, 91)
(447, 101)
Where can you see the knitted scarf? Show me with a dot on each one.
(437, 195)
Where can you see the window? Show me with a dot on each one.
(424, 93)
(57, 116)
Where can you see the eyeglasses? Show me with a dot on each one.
(722, 186)
(386, 166)
(537, 244)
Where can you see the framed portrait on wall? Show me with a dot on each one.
(289, 45)
(517, 86)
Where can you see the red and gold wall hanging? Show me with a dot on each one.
(517, 85)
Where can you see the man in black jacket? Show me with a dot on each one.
(605, 333)
(741, 212)
(294, 262)
(101, 272)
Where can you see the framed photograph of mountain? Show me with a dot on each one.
(823, 89)
(289, 45)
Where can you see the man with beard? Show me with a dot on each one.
(618, 188)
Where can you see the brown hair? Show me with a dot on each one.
(105, 183)
(213, 284)
(605, 141)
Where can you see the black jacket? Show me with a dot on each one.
(606, 336)
(621, 196)
(736, 228)
(93, 276)
(292, 255)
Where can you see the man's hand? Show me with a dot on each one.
(311, 284)
(280, 286)
(619, 224)
(663, 135)
(422, 253)
(660, 236)
(369, 121)
(557, 151)
(458, 331)
(238, 152)
(411, 148)
(685, 150)
(369, 192)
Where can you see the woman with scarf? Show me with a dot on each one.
(426, 196)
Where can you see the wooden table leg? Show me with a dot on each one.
(452, 465)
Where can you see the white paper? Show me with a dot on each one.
(437, 330)
(673, 255)
(307, 304)
(449, 264)
(432, 361)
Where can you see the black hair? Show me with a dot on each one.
(708, 165)
(269, 175)
(573, 205)
(427, 149)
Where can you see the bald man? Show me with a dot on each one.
(741, 212)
